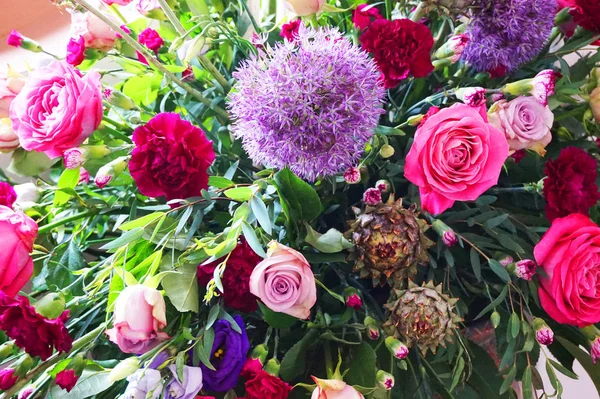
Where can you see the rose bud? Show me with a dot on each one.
(352, 175)
(139, 317)
(124, 369)
(66, 379)
(334, 389)
(372, 196)
(303, 8)
(398, 349)
(385, 380)
(543, 334)
(15, 39)
(77, 156)
(372, 328)
(75, 51)
(443, 230)
(473, 96)
(352, 299)
(110, 171)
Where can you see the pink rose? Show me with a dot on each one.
(95, 32)
(456, 156)
(525, 123)
(284, 282)
(18, 232)
(57, 109)
(75, 51)
(569, 253)
(139, 317)
(9, 141)
(334, 389)
(119, 2)
(11, 84)
(303, 8)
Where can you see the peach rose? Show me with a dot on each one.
(303, 8)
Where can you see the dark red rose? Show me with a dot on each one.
(36, 334)
(7, 379)
(170, 158)
(400, 47)
(586, 13)
(251, 368)
(151, 39)
(290, 30)
(67, 379)
(236, 278)
(8, 196)
(364, 15)
(264, 385)
(570, 185)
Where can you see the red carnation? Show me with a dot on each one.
(8, 196)
(7, 379)
(236, 278)
(170, 158)
(586, 13)
(290, 30)
(400, 48)
(364, 15)
(67, 379)
(570, 185)
(151, 39)
(36, 334)
(264, 385)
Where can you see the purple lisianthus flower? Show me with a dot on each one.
(228, 356)
(186, 389)
(144, 384)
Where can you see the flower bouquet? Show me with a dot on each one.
(335, 200)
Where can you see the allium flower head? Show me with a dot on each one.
(310, 105)
(508, 33)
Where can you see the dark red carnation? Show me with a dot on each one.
(251, 368)
(400, 48)
(364, 15)
(170, 158)
(518, 155)
(290, 30)
(236, 277)
(36, 334)
(151, 39)
(570, 185)
(264, 385)
(7, 379)
(8, 196)
(67, 379)
(586, 13)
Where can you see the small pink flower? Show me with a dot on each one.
(354, 301)
(543, 85)
(383, 186)
(15, 39)
(290, 30)
(364, 15)
(84, 176)
(373, 332)
(352, 175)
(75, 51)
(473, 96)
(507, 260)
(102, 179)
(398, 349)
(525, 269)
(151, 39)
(372, 196)
(544, 335)
(449, 238)
(595, 350)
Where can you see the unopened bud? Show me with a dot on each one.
(118, 99)
(26, 393)
(385, 380)
(51, 305)
(124, 369)
(443, 230)
(495, 319)
(507, 260)
(472, 96)
(352, 175)
(353, 301)
(260, 353)
(7, 349)
(452, 50)
(372, 196)
(525, 269)
(16, 39)
(398, 349)
(23, 365)
(386, 151)
(415, 120)
(595, 103)
(595, 349)
(543, 334)
(384, 186)
(541, 86)
(7, 378)
(77, 156)
(372, 328)
(110, 171)
(272, 367)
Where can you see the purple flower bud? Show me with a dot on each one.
(372, 196)
(525, 269)
(595, 350)
(449, 238)
(544, 335)
(352, 175)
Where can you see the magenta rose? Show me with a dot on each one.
(18, 232)
(284, 282)
(95, 32)
(525, 122)
(569, 253)
(170, 158)
(138, 320)
(456, 156)
(57, 109)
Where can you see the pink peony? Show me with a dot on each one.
(57, 109)
(139, 317)
(18, 232)
(95, 32)
(284, 282)
(75, 51)
(9, 141)
(334, 389)
(11, 84)
(525, 123)
(456, 156)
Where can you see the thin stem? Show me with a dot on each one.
(45, 229)
(419, 12)
(151, 58)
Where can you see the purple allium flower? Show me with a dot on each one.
(310, 105)
(508, 33)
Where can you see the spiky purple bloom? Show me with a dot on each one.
(508, 33)
(310, 104)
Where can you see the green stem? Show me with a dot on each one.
(151, 58)
(419, 12)
(47, 228)
(77, 345)
(328, 359)
(117, 134)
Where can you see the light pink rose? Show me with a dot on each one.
(284, 282)
(11, 84)
(139, 317)
(57, 109)
(305, 7)
(456, 156)
(18, 232)
(334, 389)
(9, 141)
(95, 32)
(525, 123)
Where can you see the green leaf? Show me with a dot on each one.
(259, 209)
(198, 7)
(144, 221)
(331, 242)
(293, 363)
(585, 359)
(389, 131)
(515, 325)
(495, 221)
(299, 200)
(213, 314)
(143, 89)
(527, 384)
(510, 378)
(240, 194)
(475, 263)
(276, 319)
(182, 288)
(126, 238)
(219, 182)
(200, 355)
(457, 373)
(29, 163)
(333, 294)
(485, 200)
(89, 384)
(362, 366)
(252, 240)
(485, 379)
(68, 179)
(499, 270)
(563, 370)
(494, 303)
